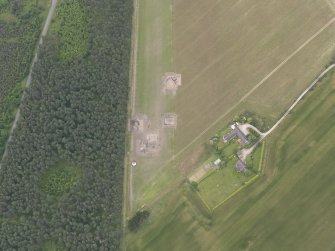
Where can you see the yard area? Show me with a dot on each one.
(221, 183)
(289, 207)
(221, 59)
(232, 56)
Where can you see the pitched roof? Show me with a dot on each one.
(240, 166)
(241, 136)
(229, 136)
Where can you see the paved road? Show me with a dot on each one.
(28, 82)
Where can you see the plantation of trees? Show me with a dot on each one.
(75, 111)
(21, 22)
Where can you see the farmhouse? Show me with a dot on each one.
(236, 132)
(229, 136)
(240, 166)
(241, 136)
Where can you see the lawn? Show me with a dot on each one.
(220, 184)
(289, 207)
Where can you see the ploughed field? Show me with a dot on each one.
(232, 56)
(290, 207)
(224, 49)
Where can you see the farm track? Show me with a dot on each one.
(330, 22)
(29, 79)
(128, 175)
(133, 80)
(246, 152)
(252, 90)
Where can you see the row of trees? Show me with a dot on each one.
(20, 25)
(75, 111)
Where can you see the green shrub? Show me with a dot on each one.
(72, 31)
(139, 218)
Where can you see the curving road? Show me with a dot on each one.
(43, 34)
(246, 152)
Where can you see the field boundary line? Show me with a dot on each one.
(204, 202)
(296, 102)
(133, 80)
(252, 90)
(128, 181)
(331, 5)
(262, 156)
(246, 184)
(236, 192)
(206, 176)
(329, 68)
(29, 78)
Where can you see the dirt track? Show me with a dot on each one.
(28, 82)
(246, 152)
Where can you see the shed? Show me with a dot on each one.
(217, 162)
(240, 166)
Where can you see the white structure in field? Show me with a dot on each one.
(217, 162)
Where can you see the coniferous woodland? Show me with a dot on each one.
(20, 25)
(61, 181)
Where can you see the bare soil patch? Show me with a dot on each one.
(169, 120)
(170, 83)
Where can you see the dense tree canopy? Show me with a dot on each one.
(20, 25)
(75, 111)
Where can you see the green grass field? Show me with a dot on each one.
(289, 207)
(218, 186)
(221, 184)
(154, 51)
(154, 58)
(223, 49)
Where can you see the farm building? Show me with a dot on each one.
(217, 162)
(240, 166)
(236, 132)
(229, 136)
(241, 136)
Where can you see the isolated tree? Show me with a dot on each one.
(194, 186)
(138, 219)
